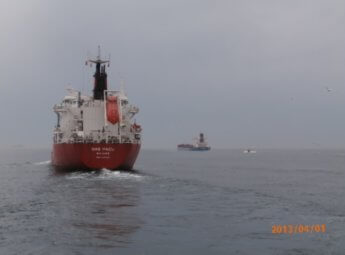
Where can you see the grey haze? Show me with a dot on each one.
(246, 73)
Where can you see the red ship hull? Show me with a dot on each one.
(81, 156)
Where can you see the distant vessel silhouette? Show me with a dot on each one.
(200, 145)
(249, 151)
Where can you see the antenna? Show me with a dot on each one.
(99, 53)
(98, 59)
(122, 82)
(122, 85)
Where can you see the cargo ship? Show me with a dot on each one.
(199, 145)
(96, 131)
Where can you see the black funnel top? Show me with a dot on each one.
(201, 139)
(100, 82)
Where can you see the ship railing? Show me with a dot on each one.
(113, 139)
(125, 139)
(92, 103)
(59, 108)
(90, 139)
(79, 140)
(133, 109)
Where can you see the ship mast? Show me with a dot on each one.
(100, 76)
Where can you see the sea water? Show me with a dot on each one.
(175, 202)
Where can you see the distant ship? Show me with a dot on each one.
(249, 151)
(200, 145)
(95, 132)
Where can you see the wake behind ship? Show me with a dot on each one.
(95, 132)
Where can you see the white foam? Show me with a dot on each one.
(105, 174)
(47, 162)
(78, 175)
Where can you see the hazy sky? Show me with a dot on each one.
(246, 72)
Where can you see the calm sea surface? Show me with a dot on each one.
(217, 202)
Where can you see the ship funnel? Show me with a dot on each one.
(100, 76)
(100, 82)
(201, 138)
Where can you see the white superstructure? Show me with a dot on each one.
(104, 117)
(82, 119)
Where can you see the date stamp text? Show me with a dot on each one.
(298, 229)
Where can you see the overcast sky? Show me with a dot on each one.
(246, 72)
